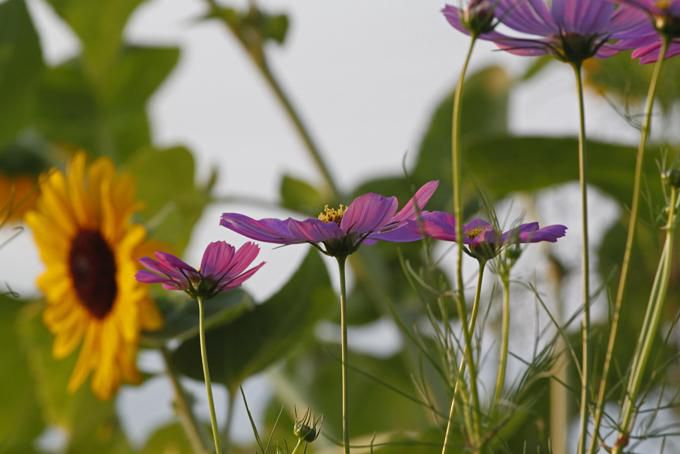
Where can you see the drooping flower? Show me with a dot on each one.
(89, 245)
(222, 268)
(369, 218)
(476, 18)
(483, 241)
(570, 30)
(662, 21)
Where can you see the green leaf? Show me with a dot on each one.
(21, 64)
(90, 424)
(485, 114)
(110, 118)
(298, 195)
(20, 419)
(502, 165)
(171, 215)
(268, 333)
(99, 25)
(181, 320)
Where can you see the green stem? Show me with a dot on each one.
(650, 328)
(467, 360)
(297, 445)
(505, 335)
(206, 374)
(182, 407)
(585, 324)
(343, 353)
(632, 223)
(229, 420)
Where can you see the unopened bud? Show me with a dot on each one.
(308, 428)
(673, 177)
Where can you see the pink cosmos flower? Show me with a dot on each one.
(222, 268)
(661, 21)
(482, 239)
(369, 218)
(570, 30)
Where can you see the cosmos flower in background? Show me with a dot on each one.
(85, 237)
(222, 268)
(483, 241)
(369, 218)
(570, 30)
(661, 21)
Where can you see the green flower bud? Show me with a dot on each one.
(673, 177)
(308, 428)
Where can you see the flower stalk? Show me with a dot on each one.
(650, 326)
(632, 224)
(585, 260)
(343, 353)
(206, 374)
(505, 337)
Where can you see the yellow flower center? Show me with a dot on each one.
(329, 214)
(663, 4)
(473, 233)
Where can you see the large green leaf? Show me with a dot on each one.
(170, 214)
(502, 165)
(99, 25)
(265, 335)
(180, 320)
(167, 439)
(90, 424)
(110, 118)
(20, 419)
(299, 195)
(21, 64)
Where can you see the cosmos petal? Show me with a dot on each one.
(368, 213)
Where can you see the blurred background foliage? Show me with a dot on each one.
(98, 100)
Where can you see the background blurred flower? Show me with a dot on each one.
(82, 227)
(18, 194)
(222, 268)
(369, 218)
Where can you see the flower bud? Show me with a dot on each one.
(479, 17)
(308, 428)
(672, 177)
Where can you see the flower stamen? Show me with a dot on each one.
(329, 214)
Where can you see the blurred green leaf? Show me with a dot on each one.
(99, 25)
(299, 195)
(268, 333)
(628, 81)
(252, 26)
(20, 419)
(181, 319)
(21, 64)
(485, 114)
(109, 119)
(91, 424)
(170, 214)
(166, 440)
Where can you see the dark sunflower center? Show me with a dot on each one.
(93, 271)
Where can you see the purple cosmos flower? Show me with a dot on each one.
(477, 18)
(661, 20)
(570, 30)
(222, 268)
(482, 239)
(369, 218)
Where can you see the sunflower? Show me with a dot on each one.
(84, 232)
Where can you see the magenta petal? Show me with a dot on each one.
(314, 231)
(240, 279)
(368, 213)
(527, 16)
(268, 230)
(440, 225)
(243, 258)
(417, 202)
(172, 261)
(161, 268)
(549, 233)
(513, 236)
(407, 232)
(147, 277)
(216, 257)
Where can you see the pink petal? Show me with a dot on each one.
(315, 231)
(417, 202)
(217, 257)
(368, 213)
(238, 280)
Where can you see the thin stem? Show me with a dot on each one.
(297, 445)
(229, 420)
(343, 353)
(505, 336)
(585, 324)
(650, 328)
(183, 408)
(467, 360)
(632, 223)
(206, 375)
